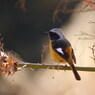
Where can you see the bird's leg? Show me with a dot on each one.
(65, 66)
(51, 65)
(58, 65)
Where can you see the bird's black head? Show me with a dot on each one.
(53, 36)
(56, 34)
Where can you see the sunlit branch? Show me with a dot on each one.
(54, 67)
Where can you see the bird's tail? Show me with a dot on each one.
(77, 76)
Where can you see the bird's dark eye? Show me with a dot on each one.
(54, 36)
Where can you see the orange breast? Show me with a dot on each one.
(55, 56)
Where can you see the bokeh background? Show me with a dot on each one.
(23, 26)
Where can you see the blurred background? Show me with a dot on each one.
(23, 23)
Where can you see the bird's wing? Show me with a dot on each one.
(73, 56)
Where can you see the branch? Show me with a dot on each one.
(55, 67)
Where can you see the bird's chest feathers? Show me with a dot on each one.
(55, 55)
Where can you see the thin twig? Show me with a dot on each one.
(55, 67)
(44, 49)
(93, 51)
(88, 36)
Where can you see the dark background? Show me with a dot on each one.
(23, 31)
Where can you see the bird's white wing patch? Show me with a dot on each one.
(60, 50)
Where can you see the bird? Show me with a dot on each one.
(61, 50)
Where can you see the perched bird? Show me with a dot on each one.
(61, 50)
